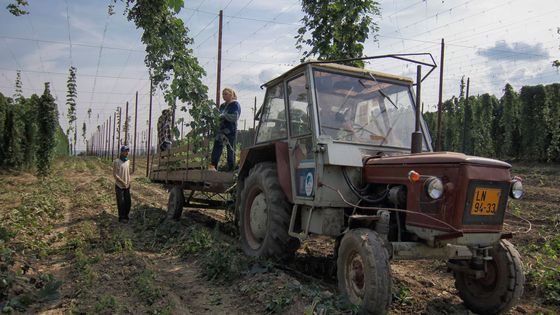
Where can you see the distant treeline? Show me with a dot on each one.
(30, 134)
(522, 125)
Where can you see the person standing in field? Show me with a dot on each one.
(121, 173)
(229, 114)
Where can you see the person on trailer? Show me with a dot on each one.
(229, 114)
(164, 130)
(121, 173)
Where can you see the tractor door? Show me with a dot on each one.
(302, 159)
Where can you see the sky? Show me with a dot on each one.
(490, 42)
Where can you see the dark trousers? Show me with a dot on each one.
(123, 202)
(219, 147)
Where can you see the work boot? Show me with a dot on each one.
(211, 167)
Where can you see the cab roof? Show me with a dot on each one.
(338, 67)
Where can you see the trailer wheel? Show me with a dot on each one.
(175, 203)
(363, 271)
(502, 286)
(265, 215)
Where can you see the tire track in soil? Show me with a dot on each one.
(57, 262)
(81, 206)
(180, 280)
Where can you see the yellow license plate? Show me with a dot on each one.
(485, 201)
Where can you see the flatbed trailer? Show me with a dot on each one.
(189, 182)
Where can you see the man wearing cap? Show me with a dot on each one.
(121, 174)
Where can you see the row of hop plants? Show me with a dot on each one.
(30, 134)
(522, 125)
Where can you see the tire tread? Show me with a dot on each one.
(277, 243)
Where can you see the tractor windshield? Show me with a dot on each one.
(364, 110)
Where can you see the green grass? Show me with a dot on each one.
(107, 304)
(402, 295)
(544, 275)
(28, 231)
(222, 262)
(146, 288)
(199, 239)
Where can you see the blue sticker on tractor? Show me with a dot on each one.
(305, 181)
(308, 184)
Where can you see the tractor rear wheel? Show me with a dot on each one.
(265, 215)
(175, 203)
(502, 286)
(363, 271)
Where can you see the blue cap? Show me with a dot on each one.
(124, 148)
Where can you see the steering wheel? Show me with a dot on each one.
(360, 131)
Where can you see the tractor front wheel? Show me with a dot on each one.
(265, 215)
(502, 286)
(363, 271)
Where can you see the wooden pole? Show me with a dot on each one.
(108, 135)
(95, 143)
(254, 112)
(219, 71)
(149, 131)
(106, 143)
(109, 140)
(114, 129)
(126, 125)
(100, 144)
(119, 132)
(143, 142)
(103, 139)
(442, 56)
(135, 128)
(465, 117)
(100, 141)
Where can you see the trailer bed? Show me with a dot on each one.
(180, 167)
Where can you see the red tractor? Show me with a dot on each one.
(344, 152)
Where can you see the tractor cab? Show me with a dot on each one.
(344, 113)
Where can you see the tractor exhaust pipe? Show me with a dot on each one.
(416, 145)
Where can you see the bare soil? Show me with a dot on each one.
(153, 266)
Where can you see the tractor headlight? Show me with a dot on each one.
(434, 187)
(516, 189)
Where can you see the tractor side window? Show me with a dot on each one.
(273, 124)
(299, 106)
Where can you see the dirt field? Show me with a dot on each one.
(63, 251)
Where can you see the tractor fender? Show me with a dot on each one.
(269, 152)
